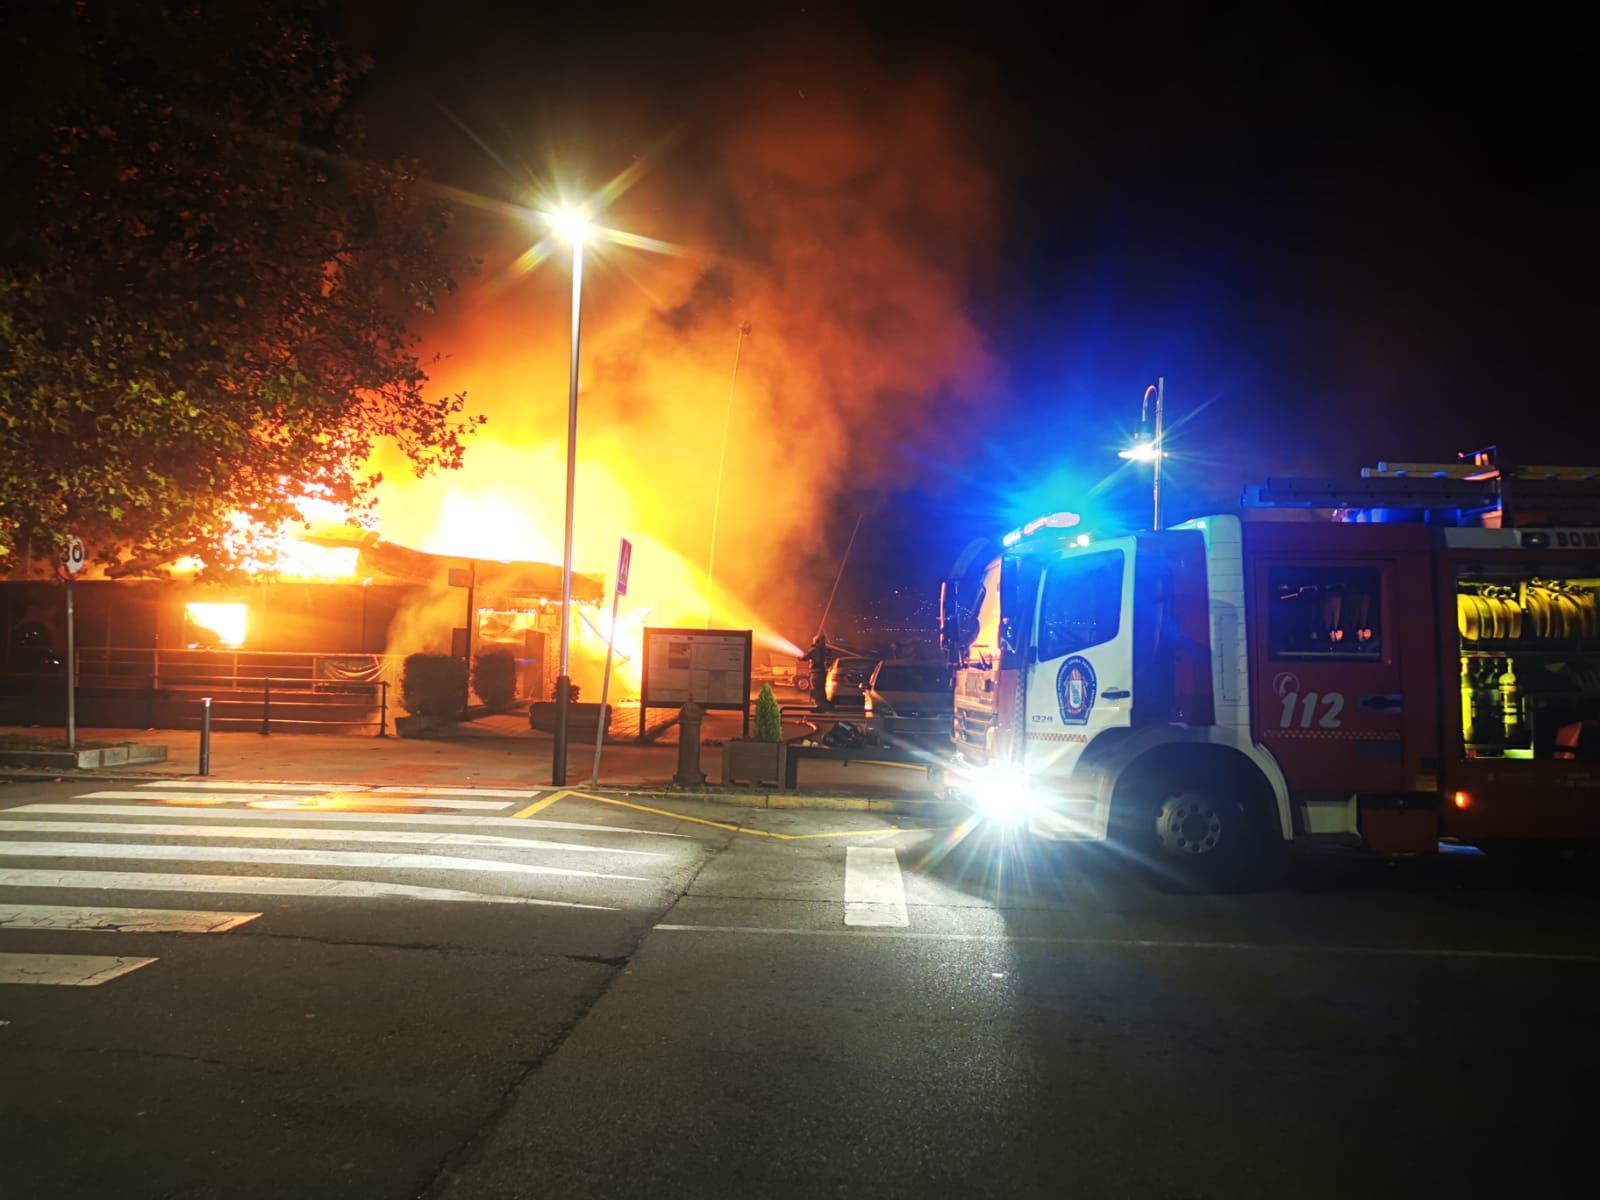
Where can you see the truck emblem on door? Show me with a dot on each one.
(1075, 690)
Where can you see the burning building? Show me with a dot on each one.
(326, 632)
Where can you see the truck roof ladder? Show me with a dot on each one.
(1459, 493)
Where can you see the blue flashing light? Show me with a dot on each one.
(1058, 520)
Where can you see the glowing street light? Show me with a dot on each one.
(1146, 446)
(573, 225)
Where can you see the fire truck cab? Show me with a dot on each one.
(1409, 658)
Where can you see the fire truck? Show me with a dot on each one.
(1398, 661)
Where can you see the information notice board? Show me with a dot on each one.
(709, 666)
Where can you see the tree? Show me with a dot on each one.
(205, 296)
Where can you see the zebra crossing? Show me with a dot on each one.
(107, 855)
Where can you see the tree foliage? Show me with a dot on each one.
(206, 297)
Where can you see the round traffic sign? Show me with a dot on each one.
(72, 554)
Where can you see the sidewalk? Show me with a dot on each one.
(497, 752)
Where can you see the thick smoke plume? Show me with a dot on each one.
(846, 225)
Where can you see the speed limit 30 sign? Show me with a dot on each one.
(72, 554)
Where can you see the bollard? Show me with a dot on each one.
(205, 736)
(266, 708)
(689, 773)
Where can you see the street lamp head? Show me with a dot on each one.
(1143, 450)
(571, 223)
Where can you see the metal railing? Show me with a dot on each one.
(296, 694)
(287, 690)
(100, 666)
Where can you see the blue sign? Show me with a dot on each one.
(1075, 689)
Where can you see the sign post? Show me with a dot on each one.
(624, 561)
(467, 578)
(72, 560)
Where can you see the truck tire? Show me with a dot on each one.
(1205, 833)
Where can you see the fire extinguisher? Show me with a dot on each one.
(1511, 705)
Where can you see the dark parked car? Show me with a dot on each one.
(909, 700)
(846, 676)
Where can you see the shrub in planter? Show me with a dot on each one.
(433, 685)
(760, 759)
(769, 719)
(494, 678)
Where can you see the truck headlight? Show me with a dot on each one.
(1001, 794)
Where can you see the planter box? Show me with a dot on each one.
(745, 760)
(582, 719)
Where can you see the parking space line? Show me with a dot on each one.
(781, 837)
(538, 806)
(662, 812)
(874, 893)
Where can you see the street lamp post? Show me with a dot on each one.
(574, 226)
(1148, 449)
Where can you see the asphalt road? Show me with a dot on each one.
(592, 999)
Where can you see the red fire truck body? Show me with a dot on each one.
(1300, 670)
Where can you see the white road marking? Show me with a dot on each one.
(509, 793)
(874, 893)
(298, 833)
(307, 858)
(66, 970)
(261, 885)
(120, 920)
(290, 803)
(186, 812)
(1149, 943)
(223, 785)
(220, 785)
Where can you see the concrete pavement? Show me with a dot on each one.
(756, 1003)
(502, 754)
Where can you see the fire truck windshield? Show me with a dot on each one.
(984, 648)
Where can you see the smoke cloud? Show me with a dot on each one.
(847, 222)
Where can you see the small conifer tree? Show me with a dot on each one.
(769, 721)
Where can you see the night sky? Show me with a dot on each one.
(1339, 240)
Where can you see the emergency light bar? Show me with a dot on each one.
(1060, 520)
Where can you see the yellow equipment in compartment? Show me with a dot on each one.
(1540, 610)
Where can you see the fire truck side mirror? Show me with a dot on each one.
(950, 621)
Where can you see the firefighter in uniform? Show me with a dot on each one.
(818, 657)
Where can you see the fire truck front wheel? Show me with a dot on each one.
(1204, 833)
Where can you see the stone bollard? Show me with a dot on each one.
(690, 717)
